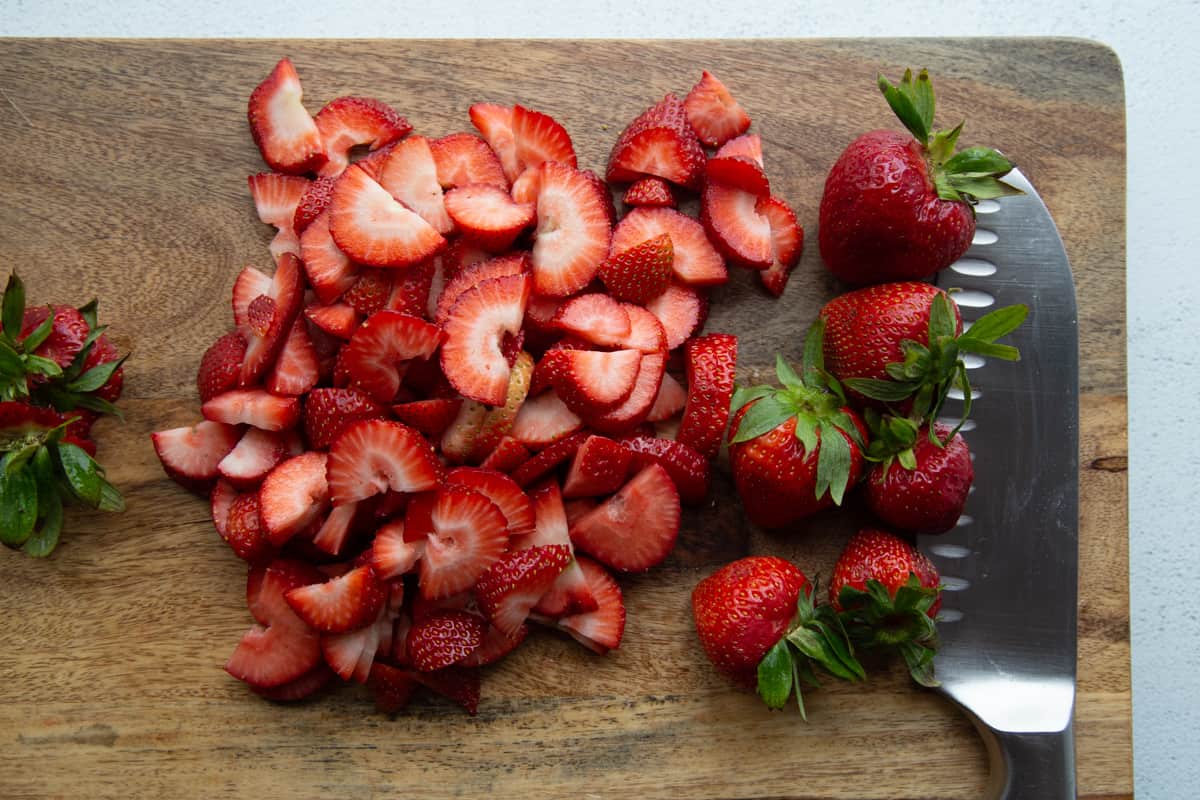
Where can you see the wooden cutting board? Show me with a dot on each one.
(124, 177)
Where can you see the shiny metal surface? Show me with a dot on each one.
(1010, 568)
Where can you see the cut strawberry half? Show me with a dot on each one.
(340, 604)
(527, 185)
(267, 585)
(313, 203)
(659, 142)
(544, 419)
(634, 410)
(592, 381)
(735, 226)
(472, 358)
(599, 468)
(374, 228)
(695, 260)
(349, 122)
(641, 273)
(538, 137)
(286, 649)
(711, 366)
(468, 534)
(498, 421)
(330, 271)
(293, 496)
(671, 399)
(681, 310)
(410, 176)
(713, 113)
(444, 637)
(508, 454)
(275, 200)
(392, 555)
(431, 417)
(488, 216)
(463, 158)
(190, 455)
(253, 407)
(471, 275)
(689, 470)
(595, 317)
(295, 369)
(573, 231)
(502, 490)
(646, 334)
(495, 123)
(265, 337)
(545, 461)
(256, 454)
(339, 320)
(373, 456)
(600, 630)
(370, 291)
(376, 354)
(221, 499)
(285, 134)
(221, 366)
(512, 586)
(787, 241)
(636, 528)
(328, 411)
(604, 193)
(352, 654)
(649, 191)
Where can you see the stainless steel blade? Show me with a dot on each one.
(1010, 568)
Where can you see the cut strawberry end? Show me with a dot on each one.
(711, 366)
(410, 175)
(599, 468)
(472, 358)
(431, 417)
(636, 528)
(285, 134)
(373, 456)
(286, 293)
(469, 534)
(554, 454)
(649, 191)
(295, 370)
(689, 470)
(508, 454)
(713, 112)
(659, 142)
(328, 411)
(695, 260)
(444, 637)
(373, 228)
(601, 629)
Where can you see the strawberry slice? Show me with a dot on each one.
(391, 687)
(711, 364)
(377, 351)
(538, 137)
(573, 231)
(495, 646)
(329, 270)
(250, 283)
(592, 381)
(508, 454)
(569, 593)
(488, 216)
(444, 637)
(746, 146)
(739, 164)
(286, 649)
(473, 274)
(468, 533)
(373, 456)
(495, 123)
(472, 358)
(370, 291)
(544, 419)
(649, 191)
(302, 688)
(634, 410)
(244, 532)
(221, 366)
(410, 175)
(671, 399)
(458, 684)
(599, 630)
(221, 499)
(349, 122)
(374, 228)
(328, 411)
(641, 273)
(295, 370)
(411, 288)
(604, 193)
(689, 470)
(577, 508)
(253, 407)
(681, 310)
(787, 241)
(459, 255)
(463, 158)
(510, 588)
(502, 490)
(696, 261)
(313, 203)
(266, 586)
(549, 458)
(285, 134)
(599, 468)
(339, 320)
(732, 221)
(275, 200)
(595, 317)
(283, 303)
(340, 604)
(713, 113)
(646, 333)
(527, 185)
(293, 496)
(352, 654)
(190, 455)
(659, 142)
(393, 556)
(636, 528)
(335, 530)
(458, 441)
(431, 417)
(256, 454)
(498, 421)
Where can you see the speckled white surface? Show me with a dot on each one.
(1157, 45)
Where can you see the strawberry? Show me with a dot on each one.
(734, 225)
(471, 275)
(488, 216)
(302, 688)
(430, 417)
(352, 654)
(411, 289)
(510, 588)
(659, 142)
(527, 185)
(410, 175)
(329, 270)
(471, 356)
(899, 207)
(190, 454)
(496, 124)
(573, 231)
(378, 350)
(312, 204)
(888, 594)
(295, 369)
(68, 332)
(253, 407)
(495, 646)
(696, 261)
(459, 255)
(635, 408)
(275, 199)
(286, 135)
(713, 113)
(922, 478)
(569, 594)
(463, 158)
(256, 454)
(221, 366)
(787, 241)
(499, 421)
(739, 164)
(458, 440)
(554, 454)
(340, 604)
(507, 456)
(711, 363)
(456, 683)
(293, 496)
(794, 451)
(391, 687)
(646, 334)
(649, 191)
(599, 630)
(467, 534)
(336, 529)
(327, 412)
(636, 528)
(369, 292)
(640, 273)
(443, 638)
(538, 137)
(102, 352)
(250, 284)
(338, 320)
(391, 555)
(374, 228)
(592, 381)
(689, 470)
(600, 468)
(595, 317)
(758, 626)
(372, 456)
(221, 499)
(502, 490)
(348, 122)
(669, 401)
(285, 649)
(604, 193)
(283, 302)
(544, 419)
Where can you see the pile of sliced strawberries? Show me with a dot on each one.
(447, 412)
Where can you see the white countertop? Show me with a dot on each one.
(1157, 44)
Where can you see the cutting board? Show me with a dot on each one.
(125, 166)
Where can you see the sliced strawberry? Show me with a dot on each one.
(711, 364)
(340, 604)
(496, 124)
(472, 358)
(713, 113)
(502, 490)
(221, 366)
(689, 470)
(498, 421)
(569, 592)
(739, 164)
(640, 273)
(495, 646)
(251, 282)
(636, 528)
(374, 228)
(646, 333)
(352, 654)
(431, 417)
(293, 496)
(256, 454)
(659, 142)
(787, 241)
(327, 412)
(592, 381)
(393, 556)
(253, 407)
(600, 630)
(649, 191)
(457, 684)
(312, 204)
(745, 146)
(542, 420)
(285, 299)
(734, 225)
(545, 461)
(295, 370)
(410, 176)
(391, 687)
(267, 584)
(468, 534)
(372, 456)
(339, 320)
(696, 261)
(220, 501)
(411, 288)
(671, 399)
(463, 158)
(573, 231)
(538, 137)
(275, 200)
(471, 275)
(633, 412)
(527, 185)
(681, 310)
(488, 216)
(330, 271)
(190, 454)
(507, 456)
(599, 468)
(372, 163)
(376, 353)
(336, 529)
(349, 122)
(302, 688)
(244, 532)
(577, 508)
(444, 637)
(285, 134)
(604, 193)
(459, 255)
(273, 656)
(458, 441)
(512, 586)
(370, 291)
(595, 317)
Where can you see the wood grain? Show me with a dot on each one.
(125, 178)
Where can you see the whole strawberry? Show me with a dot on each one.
(757, 624)
(897, 207)
(921, 477)
(794, 450)
(887, 595)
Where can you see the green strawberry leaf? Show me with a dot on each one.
(82, 473)
(813, 361)
(907, 459)
(885, 391)
(18, 505)
(45, 538)
(941, 146)
(920, 663)
(921, 94)
(92, 403)
(776, 675)
(787, 376)
(110, 498)
(17, 459)
(12, 308)
(988, 350)
(993, 325)
(38, 335)
(978, 162)
(833, 463)
(95, 377)
(904, 108)
(837, 641)
(746, 394)
(806, 432)
(88, 312)
(941, 318)
(846, 424)
(981, 188)
(765, 415)
(42, 366)
(11, 364)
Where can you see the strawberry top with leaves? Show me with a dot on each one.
(897, 207)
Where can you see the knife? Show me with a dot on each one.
(1010, 568)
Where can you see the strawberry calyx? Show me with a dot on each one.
(892, 439)
(817, 402)
(970, 175)
(877, 620)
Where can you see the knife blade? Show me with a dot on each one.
(1010, 567)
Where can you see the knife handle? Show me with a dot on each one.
(1030, 766)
